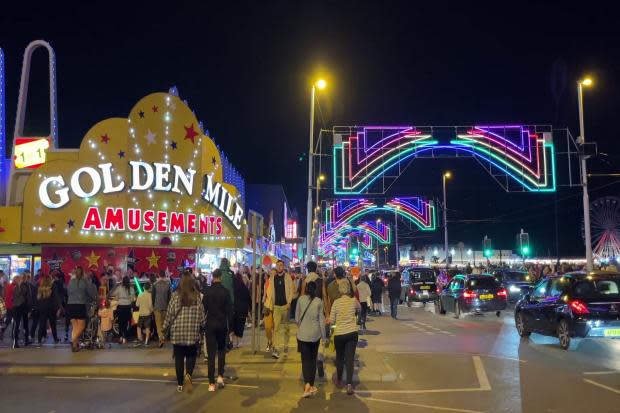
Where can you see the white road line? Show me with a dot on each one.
(467, 390)
(481, 373)
(427, 406)
(443, 353)
(602, 386)
(597, 373)
(197, 381)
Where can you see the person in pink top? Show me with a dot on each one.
(105, 325)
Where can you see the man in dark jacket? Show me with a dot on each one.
(20, 310)
(394, 289)
(162, 293)
(219, 310)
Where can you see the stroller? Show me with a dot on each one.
(90, 336)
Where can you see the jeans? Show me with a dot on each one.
(345, 354)
(123, 313)
(35, 314)
(184, 355)
(280, 327)
(216, 344)
(45, 315)
(394, 306)
(20, 314)
(309, 352)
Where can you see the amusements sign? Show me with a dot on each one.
(126, 259)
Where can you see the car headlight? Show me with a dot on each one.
(514, 289)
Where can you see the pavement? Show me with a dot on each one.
(422, 362)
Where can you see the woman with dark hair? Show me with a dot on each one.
(184, 320)
(80, 292)
(310, 321)
(125, 296)
(48, 303)
(241, 307)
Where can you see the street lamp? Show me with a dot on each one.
(584, 175)
(396, 236)
(320, 84)
(446, 175)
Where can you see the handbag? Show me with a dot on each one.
(300, 320)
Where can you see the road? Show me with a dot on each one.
(439, 364)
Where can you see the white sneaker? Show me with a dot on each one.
(211, 387)
(220, 382)
(179, 389)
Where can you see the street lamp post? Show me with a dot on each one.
(321, 85)
(396, 236)
(377, 260)
(584, 176)
(446, 175)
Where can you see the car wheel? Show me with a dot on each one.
(564, 334)
(457, 310)
(520, 324)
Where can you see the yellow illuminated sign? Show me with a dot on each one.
(30, 152)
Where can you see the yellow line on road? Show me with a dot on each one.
(481, 374)
(426, 406)
(602, 386)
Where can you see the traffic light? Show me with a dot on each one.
(487, 247)
(524, 243)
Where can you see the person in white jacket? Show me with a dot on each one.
(363, 288)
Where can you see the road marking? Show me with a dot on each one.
(602, 386)
(196, 381)
(427, 406)
(596, 373)
(481, 373)
(441, 353)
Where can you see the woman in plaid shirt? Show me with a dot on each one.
(184, 320)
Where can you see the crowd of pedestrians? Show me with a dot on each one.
(329, 309)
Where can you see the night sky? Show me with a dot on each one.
(247, 68)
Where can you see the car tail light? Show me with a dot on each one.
(502, 293)
(438, 290)
(412, 291)
(469, 294)
(578, 307)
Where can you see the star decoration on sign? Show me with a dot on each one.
(92, 259)
(213, 161)
(173, 145)
(150, 137)
(141, 113)
(155, 108)
(55, 263)
(52, 226)
(190, 133)
(105, 138)
(132, 260)
(121, 154)
(70, 223)
(153, 260)
(38, 211)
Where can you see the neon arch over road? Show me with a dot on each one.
(522, 155)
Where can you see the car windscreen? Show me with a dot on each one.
(421, 275)
(602, 287)
(482, 282)
(516, 276)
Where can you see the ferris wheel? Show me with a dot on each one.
(605, 223)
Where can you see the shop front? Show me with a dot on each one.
(145, 193)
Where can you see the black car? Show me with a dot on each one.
(473, 292)
(422, 285)
(570, 306)
(513, 281)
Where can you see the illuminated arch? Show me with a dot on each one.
(517, 151)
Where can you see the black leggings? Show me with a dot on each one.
(123, 313)
(345, 354)
(184, 357)
(216, 343)
(363, 313)
(20, 314)
(309, 351)
(46, 315)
